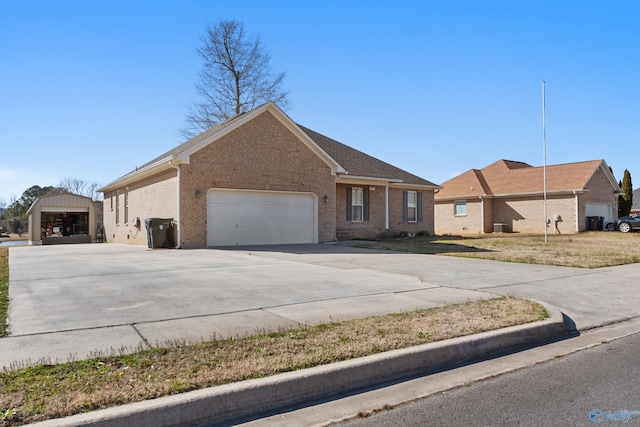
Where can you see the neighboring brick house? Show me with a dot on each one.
(635, 207)
(259, 178)
(509, 196)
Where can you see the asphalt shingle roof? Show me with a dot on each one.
(508, 177)
(357, 163)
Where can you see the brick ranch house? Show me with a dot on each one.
(260, 178)
(635, 207)
(509, 196)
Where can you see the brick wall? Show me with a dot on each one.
(260, 155)
(448, 223)
(153, 197)
(520, 215)
(526, 215)
(375, 226)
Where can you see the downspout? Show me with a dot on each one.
(177, 168)
(386, 207)
(577, 212)
(482, 214)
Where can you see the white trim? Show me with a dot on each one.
(415, 207)
(353, 204)
(455, 214)
(386, 207)
(57, 209)
(392, 182)
(502, 196)
(149, 170)
(482, 214)
(314, 196)
(577, 212)
(416, 186)
(364, 180)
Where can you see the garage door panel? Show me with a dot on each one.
(599, 209)
(271, 212)
(262, 238)
(238, 217)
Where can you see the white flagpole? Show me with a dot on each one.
(544, 168)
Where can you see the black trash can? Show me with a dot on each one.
(592, 223)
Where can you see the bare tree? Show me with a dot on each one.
(80, 187)
(235, 79)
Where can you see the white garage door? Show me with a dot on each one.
(240, 217)
(599, 209)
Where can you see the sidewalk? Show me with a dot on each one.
(68, 345)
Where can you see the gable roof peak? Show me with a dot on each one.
(508, 164)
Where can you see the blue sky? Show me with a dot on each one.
(91, 89)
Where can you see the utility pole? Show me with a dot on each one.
(544, 167)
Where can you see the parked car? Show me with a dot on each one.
(625, 223)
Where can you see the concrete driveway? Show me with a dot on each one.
(589, 297)
(91, 286)
(80, 300)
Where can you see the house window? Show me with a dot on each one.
(460, 208)
(357, 204)
(117, 207)
(126, 205)
(111, 200)
(412, 206)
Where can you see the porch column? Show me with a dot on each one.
(386, 207)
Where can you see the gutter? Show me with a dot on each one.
(138, 174)
(391, 182)
(575, 193)
(482, 224)
(505, 195)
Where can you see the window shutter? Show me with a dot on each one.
(419, 206)
(348, 203)
(365, 202)
(405, 203)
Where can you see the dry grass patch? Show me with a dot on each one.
(52, 391)
(586, 250)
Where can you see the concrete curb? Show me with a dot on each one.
(252, 397)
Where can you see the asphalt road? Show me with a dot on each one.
(597, 386)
